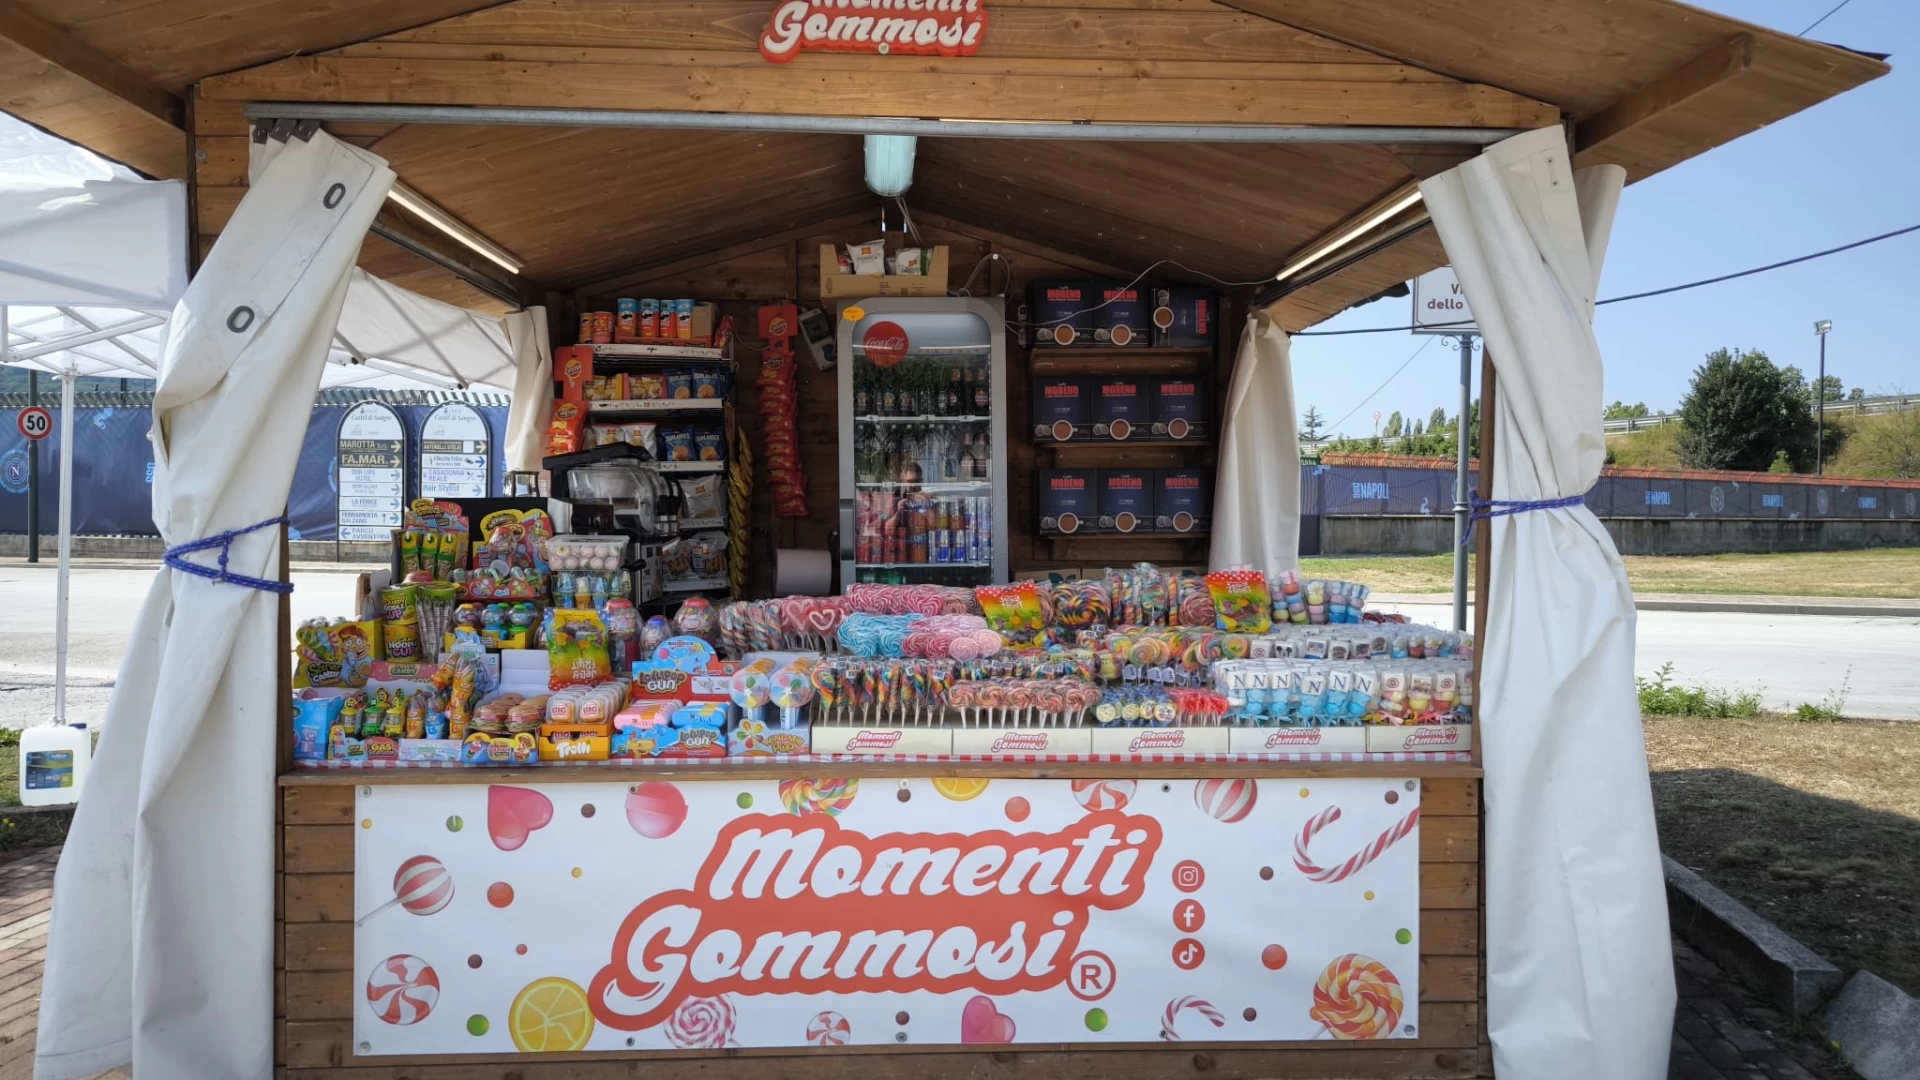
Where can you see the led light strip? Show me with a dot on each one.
(1397, 203)
(417, 205)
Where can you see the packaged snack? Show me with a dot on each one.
(586, 329)
(626, 319)
(403, 640)
(676, 444)
(680, 385)
(669, 325)
(313, 723)
(683, 327)
(577, 649)
(1013, 610)
(910, 261)
(868, 258)
(603, 328)
(563, 432)
(648, 386)
(709, 383)
(710, 446)
(649, 318)
(573, 366)
(701, 500)
(1241, 602)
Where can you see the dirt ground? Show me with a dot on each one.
(1886, 572)
(1816, 826)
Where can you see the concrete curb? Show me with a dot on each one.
(1876, 1027)
(1791, 976)
(1846, 606)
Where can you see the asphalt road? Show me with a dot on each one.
(1792, 658)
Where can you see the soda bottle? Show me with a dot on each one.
(982, 391)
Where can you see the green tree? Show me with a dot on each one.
(1620, 410)
(1742, 412)
(1417, 429)
(1394, 425)
(1887, 445)
(1310, 424)
(1856, 394)
(1438, 420)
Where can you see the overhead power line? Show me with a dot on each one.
(1824, 18)
(1654, 292)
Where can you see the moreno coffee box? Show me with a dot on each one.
(1068, 500)
(1062, 409)
(1177, 408)
(1299, 740)
(1184, 317)
(1063, 312)
(1126, 501)
(1119, 408)
(1182, 500)
(1122, 316)
(1419, 738)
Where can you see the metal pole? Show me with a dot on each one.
(877, 125)
(1461, 508)
(1820, 408)
(66, 551)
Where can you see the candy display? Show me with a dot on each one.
(1318, 602)
(779, 410)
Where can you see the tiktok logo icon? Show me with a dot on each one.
(1188, 954)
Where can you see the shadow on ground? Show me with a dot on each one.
(1838, 876)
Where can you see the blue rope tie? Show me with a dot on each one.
(1486, 509)
(176, 558)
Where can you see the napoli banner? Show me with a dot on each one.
(872, 912)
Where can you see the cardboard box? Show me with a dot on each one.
(1037, 742)
(1184, 317)
(1068, 500)
(1126, 501)
(1119, 408)
(1153, 741)
(881, 741)
(1062, 312)
(1419, 738)
(1183, 501)
(1177, 408)
(1062, 409)
(1299, 740)
(838, 286)
(1124, 316)
(575, 742)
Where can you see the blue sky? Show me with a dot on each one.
(1841, 171)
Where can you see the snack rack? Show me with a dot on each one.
(923, 441)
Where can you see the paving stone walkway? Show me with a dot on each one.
(1720, 1031)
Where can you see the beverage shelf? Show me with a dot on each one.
(928, 419)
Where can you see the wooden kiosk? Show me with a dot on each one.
(683, 155)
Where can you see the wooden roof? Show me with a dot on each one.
(1647, 84)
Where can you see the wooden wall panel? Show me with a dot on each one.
(317, 986)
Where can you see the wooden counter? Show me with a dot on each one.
(316, 985)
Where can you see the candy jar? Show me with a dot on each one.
(695, 618)
(655, 632)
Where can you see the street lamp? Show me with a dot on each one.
(1820, 329)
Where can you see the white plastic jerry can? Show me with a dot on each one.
(53, 763)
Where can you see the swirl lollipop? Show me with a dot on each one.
(701, 1023)
(422, 886)
(1356, 997)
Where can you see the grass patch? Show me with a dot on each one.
(1661, 696)
(1814, 826)
(1883, 572)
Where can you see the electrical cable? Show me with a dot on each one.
(1824, 18)
(1650, 292)
(1382, 386)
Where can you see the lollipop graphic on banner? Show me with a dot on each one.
(1226, 800)
(1357, 998)
(421, 885)
(829, 1029)
(701, 1023)
(818, 796)
(1104, 794)
(403, 990)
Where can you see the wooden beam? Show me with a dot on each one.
(745, 245)
(1688, 81)
(58, 47)
(788, 89)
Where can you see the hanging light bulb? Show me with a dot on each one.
(890, 164)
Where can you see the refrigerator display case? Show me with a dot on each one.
(923, 437)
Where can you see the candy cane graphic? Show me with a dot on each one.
(1171, 1017)
(1304, 862)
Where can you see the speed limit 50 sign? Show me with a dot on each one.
(35, 422)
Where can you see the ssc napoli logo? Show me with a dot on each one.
(13, 473)
(1717, 499)
(1822, 501)
(1913, 504)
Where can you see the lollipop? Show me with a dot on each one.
(1356, 997)
(402, 990)
(828, 797)
(422, 886)
(701, 1023)
(751, 686)
(1226, 800)
(829, 1029)
(1104, 794)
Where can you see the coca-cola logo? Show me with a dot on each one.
(874, 740)
(1021, 740)
(1170, 739)
(885, 344)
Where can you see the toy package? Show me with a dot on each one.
(1241, 602)
(511, 564)
(337, 652)
(577, 649)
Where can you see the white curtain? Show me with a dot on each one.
(528, 416)
(161, 947)
(1579, 966)
(1256, 492)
